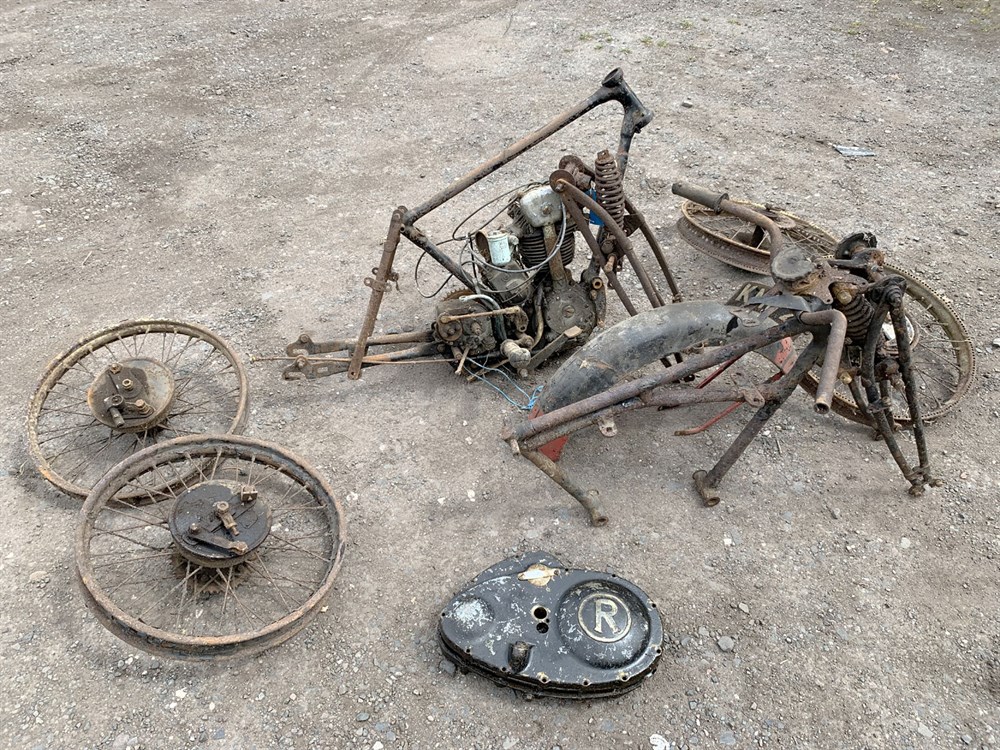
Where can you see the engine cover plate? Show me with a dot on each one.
(533, 624)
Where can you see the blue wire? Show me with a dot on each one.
(532, 397)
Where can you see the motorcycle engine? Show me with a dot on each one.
(564, 303)
(514, 269)
(466, 325)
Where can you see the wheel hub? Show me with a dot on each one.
(219, 524)
(132, 395)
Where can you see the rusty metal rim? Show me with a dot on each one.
(62, 364)
(739, 254)
(156, 640)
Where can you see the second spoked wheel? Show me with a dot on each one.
(234, 555)
(943, 360)
(122, 389)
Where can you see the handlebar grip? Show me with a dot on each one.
(701, 195)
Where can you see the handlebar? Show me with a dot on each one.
(720, 203)
(700, 195)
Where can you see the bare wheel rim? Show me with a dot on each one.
(73, 443)
(146, 582)
(943, 357)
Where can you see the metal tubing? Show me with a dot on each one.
(877, 406)
(418, 238)
(613, 88)
(582, 226)
(831, 359)
(720, 203)
(910, 386)
(633, 388)
(654, 245)
(378, 291)
(669, 398)
(623, 241)
(705, 482)
(586, 498)
(305, 345)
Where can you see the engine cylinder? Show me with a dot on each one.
(533, 252)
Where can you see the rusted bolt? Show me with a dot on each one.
(115, 367)
(128, 384)
(221, 507)
(248, 494)
(194, 528)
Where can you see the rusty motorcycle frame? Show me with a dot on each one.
(842, 305)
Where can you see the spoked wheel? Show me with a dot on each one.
(231, 562)
(943, 358)
(125, 388)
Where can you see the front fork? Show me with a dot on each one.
(876, 405)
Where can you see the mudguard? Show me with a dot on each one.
(533, 624)
(633, 344)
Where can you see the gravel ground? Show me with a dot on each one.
(235, 164)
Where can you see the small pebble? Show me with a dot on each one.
(967, 739)
(835, 512)
(960, 232)
(363, 716)
(39, 576)
(924, 731)
(726, 643)
(447, 667)
(905, 543)
(687, 104)
(744, 608)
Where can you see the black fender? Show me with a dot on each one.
(649, 336)
(632, 344)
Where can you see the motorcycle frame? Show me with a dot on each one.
(635, 116)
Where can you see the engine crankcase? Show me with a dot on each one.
(465, 324)
(533, 624)
(566, 306)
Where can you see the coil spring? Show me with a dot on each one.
(608, 184)
(533, 252)
(859, 313)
